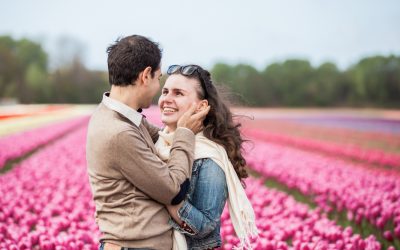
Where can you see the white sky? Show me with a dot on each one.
(209, 31)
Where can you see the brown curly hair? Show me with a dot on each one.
(219, 125)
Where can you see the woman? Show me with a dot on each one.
(219, 164)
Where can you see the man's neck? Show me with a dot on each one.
(127, 95)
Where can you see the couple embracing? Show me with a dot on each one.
(164, 188)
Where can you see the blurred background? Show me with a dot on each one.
(286, 53)
(315, 85)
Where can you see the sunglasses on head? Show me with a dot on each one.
(188, 70)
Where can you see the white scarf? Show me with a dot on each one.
(240, 209)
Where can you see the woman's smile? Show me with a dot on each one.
(169, 111)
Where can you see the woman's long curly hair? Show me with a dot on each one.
(219, 125)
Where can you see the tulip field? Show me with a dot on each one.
(319, 179)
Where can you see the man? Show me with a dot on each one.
(130, 184)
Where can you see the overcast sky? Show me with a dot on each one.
(210, 31)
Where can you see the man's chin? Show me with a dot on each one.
(146, 106)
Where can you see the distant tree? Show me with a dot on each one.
(74, 83)
(22, 64)
(326, 88)
(376, 81)
(8, 67)
(292, 81)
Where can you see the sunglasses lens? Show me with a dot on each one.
(173, 69)
(188, 70)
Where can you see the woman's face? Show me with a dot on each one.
(178, 93)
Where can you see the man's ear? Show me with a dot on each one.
(145, 75)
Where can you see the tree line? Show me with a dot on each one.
(26, 77)
(372, 82)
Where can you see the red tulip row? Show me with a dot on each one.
(372, 156)
(16, 145)
(335, 185)
(10, 112)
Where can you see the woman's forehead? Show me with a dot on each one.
(180, 82)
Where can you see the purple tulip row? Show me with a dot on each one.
(287, 224)
(373, 156)
(364, 193)
(391, 126)
(16, 145)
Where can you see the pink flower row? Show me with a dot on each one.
(355, 152)
(17, 145)
(281, 219)
(365, 193)
(45, 201)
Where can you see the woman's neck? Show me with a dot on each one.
(170, 129)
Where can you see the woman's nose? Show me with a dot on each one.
(167, 98)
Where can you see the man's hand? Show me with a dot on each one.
(192, 120)
(173, 211)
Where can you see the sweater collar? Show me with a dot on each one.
(133, 115)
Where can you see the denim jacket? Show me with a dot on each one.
(203, 206)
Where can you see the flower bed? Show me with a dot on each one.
(17, 145)
(350, 151)
(46, 202)
(286, 224)
(335, 185)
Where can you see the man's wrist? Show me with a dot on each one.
(185, 129)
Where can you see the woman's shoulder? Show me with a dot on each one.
(206, 161)
(209, 165)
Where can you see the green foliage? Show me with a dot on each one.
(75, 84)
(372, 82)
(24, 75)
(21, 60)
(376, 79)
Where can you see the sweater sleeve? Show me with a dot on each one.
(166, 183)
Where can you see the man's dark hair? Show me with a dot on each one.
(130, 55)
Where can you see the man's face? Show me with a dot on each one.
(153, 87)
